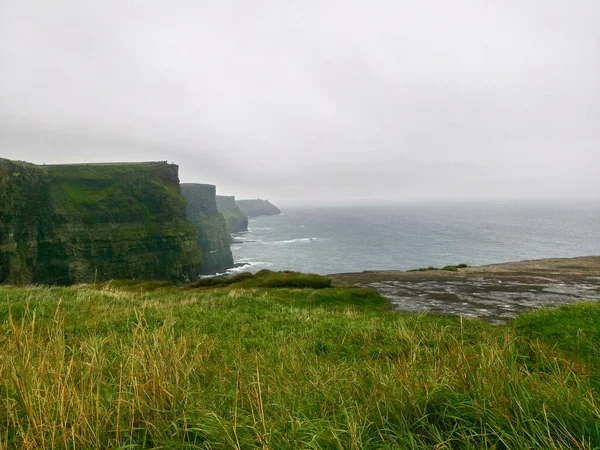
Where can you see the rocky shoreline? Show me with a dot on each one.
(495, 293)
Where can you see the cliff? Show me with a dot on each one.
(213, 237)
(235, 219)
(78, 223)
(258, 207)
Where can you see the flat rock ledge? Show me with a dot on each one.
(495, 292)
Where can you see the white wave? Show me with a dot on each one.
(295, 241)
(249, 266)
(262, 228)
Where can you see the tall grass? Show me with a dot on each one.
(264, 368)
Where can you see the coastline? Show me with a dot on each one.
(559, 269)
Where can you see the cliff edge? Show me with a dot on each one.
(77, 223)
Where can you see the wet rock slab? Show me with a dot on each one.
(489, 299)
(495, 293)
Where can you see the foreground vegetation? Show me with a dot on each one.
(152, 366)
(267, 279)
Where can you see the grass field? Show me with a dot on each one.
(151, 366)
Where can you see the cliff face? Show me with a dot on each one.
(258, 207)
(235, 219)
(69, 224)
(23, 193)
(213, 237)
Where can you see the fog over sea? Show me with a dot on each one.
(405, 236)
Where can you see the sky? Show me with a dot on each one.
(313, 101)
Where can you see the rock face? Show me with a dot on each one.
(258, 207)
(237, 222)
(78, 223)
(213, 237)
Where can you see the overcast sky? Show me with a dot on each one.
(296, 100)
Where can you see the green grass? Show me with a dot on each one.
(146, 365)
(573, 329)
(268, 279)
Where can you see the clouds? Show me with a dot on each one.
(291, 100)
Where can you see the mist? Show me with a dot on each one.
(313, 102)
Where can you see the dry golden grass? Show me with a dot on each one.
(118, 368)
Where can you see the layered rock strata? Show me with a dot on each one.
(65, 224)
(213, 237)
(236, 221)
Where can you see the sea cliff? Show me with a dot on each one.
(236, 221)
(257, 207)
(213, 237)
(65, 224)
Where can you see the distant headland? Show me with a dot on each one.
(257, 207)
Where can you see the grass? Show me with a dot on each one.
(573, 329)
(447, 268)
(126, 365)
(268, 279)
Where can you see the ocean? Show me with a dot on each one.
(337, 239)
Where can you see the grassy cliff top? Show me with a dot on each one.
(105, 170)
(4, 161)
(111, 164)
(91, 164)
(113, 170)
(104, 192)
(199, 185)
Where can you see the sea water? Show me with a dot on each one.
(334, 239)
